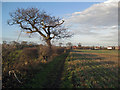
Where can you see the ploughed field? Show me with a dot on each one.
(91, 69)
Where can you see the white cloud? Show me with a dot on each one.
(109, 1)
(99, 21)
(98, 14)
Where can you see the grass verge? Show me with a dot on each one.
(49, 76)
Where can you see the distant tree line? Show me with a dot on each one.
(18, 45)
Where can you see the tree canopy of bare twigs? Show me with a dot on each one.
(69, 44)
(34, 20)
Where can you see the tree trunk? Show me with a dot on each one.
(48, 41)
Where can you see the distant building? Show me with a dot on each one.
(97, 48)
(117, 47)
(110, 47)
(74, 47)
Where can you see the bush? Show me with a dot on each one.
(29, 53)
(58, 50)
(44, 53)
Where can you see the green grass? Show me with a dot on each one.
(86, 70)
(78, 69)
(15, 54)
(97, 51)
(49, 75)
(67, 76)
(11, 58)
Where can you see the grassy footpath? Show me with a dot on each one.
(50, 75)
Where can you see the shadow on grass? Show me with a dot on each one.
(97, 74)
(101, 77)
(90, 64)
(85, 57)
(76, 51)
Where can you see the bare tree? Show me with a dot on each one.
(33, 20)
(4, 42)
(60, 44)
(24, 43)
(69, 44)
(79, 45)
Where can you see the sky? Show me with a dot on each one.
(93, 23)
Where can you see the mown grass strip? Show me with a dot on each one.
(54, 76)
(49, 75)
(67, 75)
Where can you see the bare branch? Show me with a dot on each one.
(33, 20)
(57, 24)
(31, 31)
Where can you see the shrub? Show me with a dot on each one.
(58, 50)
(29, 53)
(44, 53)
